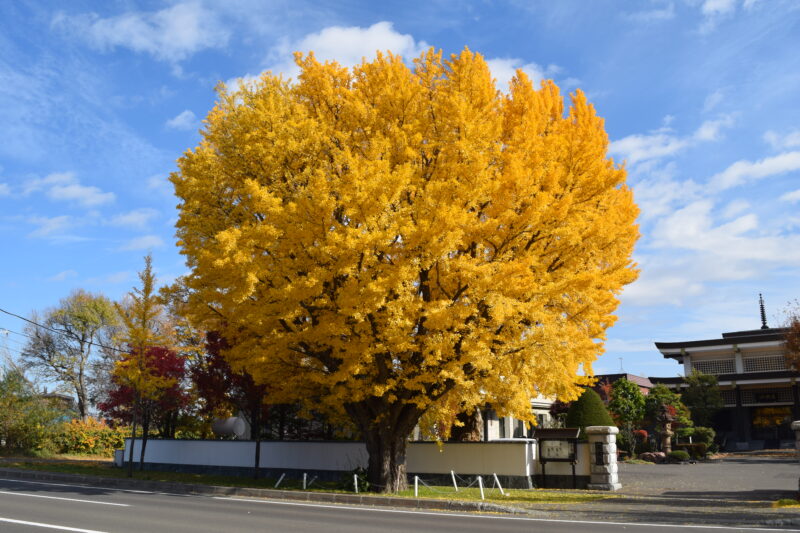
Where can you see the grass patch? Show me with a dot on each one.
(786, 502)
(637, 462)
(107, 469)
(511, 495)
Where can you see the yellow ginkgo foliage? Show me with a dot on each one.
(383, 241)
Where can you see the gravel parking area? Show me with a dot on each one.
(743, 477)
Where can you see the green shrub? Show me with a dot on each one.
(678, 456)
(696, 450)
(26, 417)
(704, 435)
(588, 410)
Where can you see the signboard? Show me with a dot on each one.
(556, 450)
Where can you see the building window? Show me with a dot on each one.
(766, 396)
(764, 363)
(715, 366)
(728, 397)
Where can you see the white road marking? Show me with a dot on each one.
(62, 498)
(79, 486)
(520, 518)
(48, 526)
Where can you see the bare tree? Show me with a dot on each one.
(62, 341)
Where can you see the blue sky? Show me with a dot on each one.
(701, 98)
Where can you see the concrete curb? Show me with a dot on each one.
(275, 494)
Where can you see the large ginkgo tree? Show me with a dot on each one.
(385, 241)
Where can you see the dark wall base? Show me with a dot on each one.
(511, 482)
(561, 482)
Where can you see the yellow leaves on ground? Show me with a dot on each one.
(408, 234)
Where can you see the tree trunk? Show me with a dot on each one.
(387, 461)
(133, 438)
(255, 433)
(470, 431)
(145, 431)
(385, 429)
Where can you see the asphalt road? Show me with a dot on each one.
(27, 506)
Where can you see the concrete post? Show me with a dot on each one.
(603, 458)
(796, 429)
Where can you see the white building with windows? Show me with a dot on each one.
(759, 391)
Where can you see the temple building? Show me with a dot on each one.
(759, 391)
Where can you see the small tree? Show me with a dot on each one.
(664, 411)
(160, 409)
(220, 388)
(25, 416)
(703, 397)
(588, 410)
(792, 339)
(142, 331)
(61, 348)
(627, 405)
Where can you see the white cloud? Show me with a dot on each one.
(50, 226)
(660, 193)
(791, 197)
(734, 208)
(146, 242)
(718, 7)
(666, 12)
(345, 45)
(186, 120)
(743, 171)
(712, 100)
(138, 218)
(5, 190)
(710, 129)
(63, 275)
(160, 184)
(660, 290)
(732, 244)
(171, 34)
(777, 141)
(637, 148)
(663, 142)
(503, 69)
(64, 186)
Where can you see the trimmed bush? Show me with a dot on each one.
(588, 410)
(677, 456)
(697, 450)
(704, 435)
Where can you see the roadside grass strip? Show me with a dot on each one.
(467, 490)
(786, 503)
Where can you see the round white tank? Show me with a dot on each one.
(229, 426)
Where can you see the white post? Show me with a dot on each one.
(355, 482)
(304, 480)
(416, 486)
(498, 484)
(280, 479)
(453, 475)
(480, 484)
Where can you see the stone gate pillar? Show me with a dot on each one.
(796, 429)
(603, 458)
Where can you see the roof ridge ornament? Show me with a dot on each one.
(763, 312)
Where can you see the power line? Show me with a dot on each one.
(59, 332)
